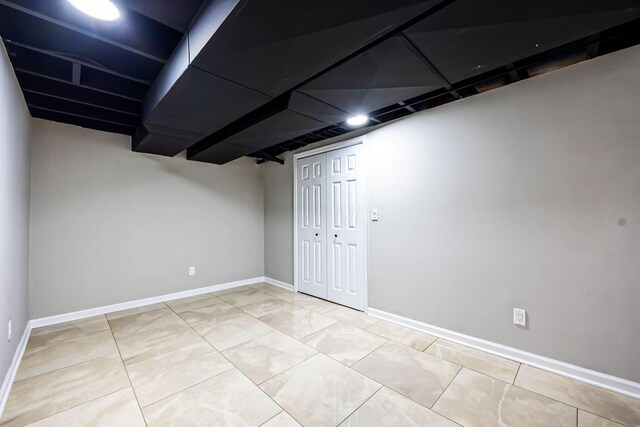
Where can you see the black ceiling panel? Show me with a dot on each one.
(281, 126)
(161, 140)
(85, 122)
(273, 46)
(133, 30)
(470, 37)
(384, 75)
(202, 103)
(68, 91)
(223, 152)
(20, 27)
(316, 109)
(165, 11)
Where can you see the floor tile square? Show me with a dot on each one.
(193, 302)
(344, 343)
(414, 374)
(298, 323)
(403, 335)
(135, 348)
(352, 317)
(320, 391)
(232, 331)
(137, 310)
(267, 356)
(64, 331)
(115, 409)
(284, 294)
(389, 409)
(169, 373)
(596, 400)
(206, 316)
(475, 399)
(246, 297)
(485, 363)
(228, 399)
(268, 306)
(231, 290)
(143, 322)
(315, 304)
(38, 397)
(58, 355)
(585, 419)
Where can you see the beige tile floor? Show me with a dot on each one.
(261, 355)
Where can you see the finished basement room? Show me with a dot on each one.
(354, 213)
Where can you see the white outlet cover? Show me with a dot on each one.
(519, 317)
(192, 271)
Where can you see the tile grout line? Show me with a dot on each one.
(442, 394)
(361, 405)
(126, 371)
(517, 372)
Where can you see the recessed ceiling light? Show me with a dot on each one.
(100, 9)
(358, 120)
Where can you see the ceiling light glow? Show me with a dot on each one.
(357, 120)
(99, 9)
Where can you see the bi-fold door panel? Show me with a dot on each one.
(311, 223)
(345, 227)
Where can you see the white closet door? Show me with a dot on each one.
(346, 224)
(312, 238)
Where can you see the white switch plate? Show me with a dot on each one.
(192, 271)
(9, 331)
(519, 317)
(374, 214)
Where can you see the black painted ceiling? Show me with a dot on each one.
(229, 78)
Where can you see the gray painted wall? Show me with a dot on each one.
(109, 225)
(14, 211)
(278, 213)
(527, 196)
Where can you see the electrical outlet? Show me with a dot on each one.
(9, 328)
(374, 214)
(192, 271)
(519, 317)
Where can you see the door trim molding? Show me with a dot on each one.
(578, 373)
(360, 140)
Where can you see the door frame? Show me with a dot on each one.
(360, 140)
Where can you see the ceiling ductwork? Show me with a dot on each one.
(242, 58)
(223, 79)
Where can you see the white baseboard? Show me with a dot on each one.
(60, 318)
(13, 368)
(609, 382)
(275, 282)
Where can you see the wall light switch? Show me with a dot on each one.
(374, 214)
(519, 317)
(192, 271)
